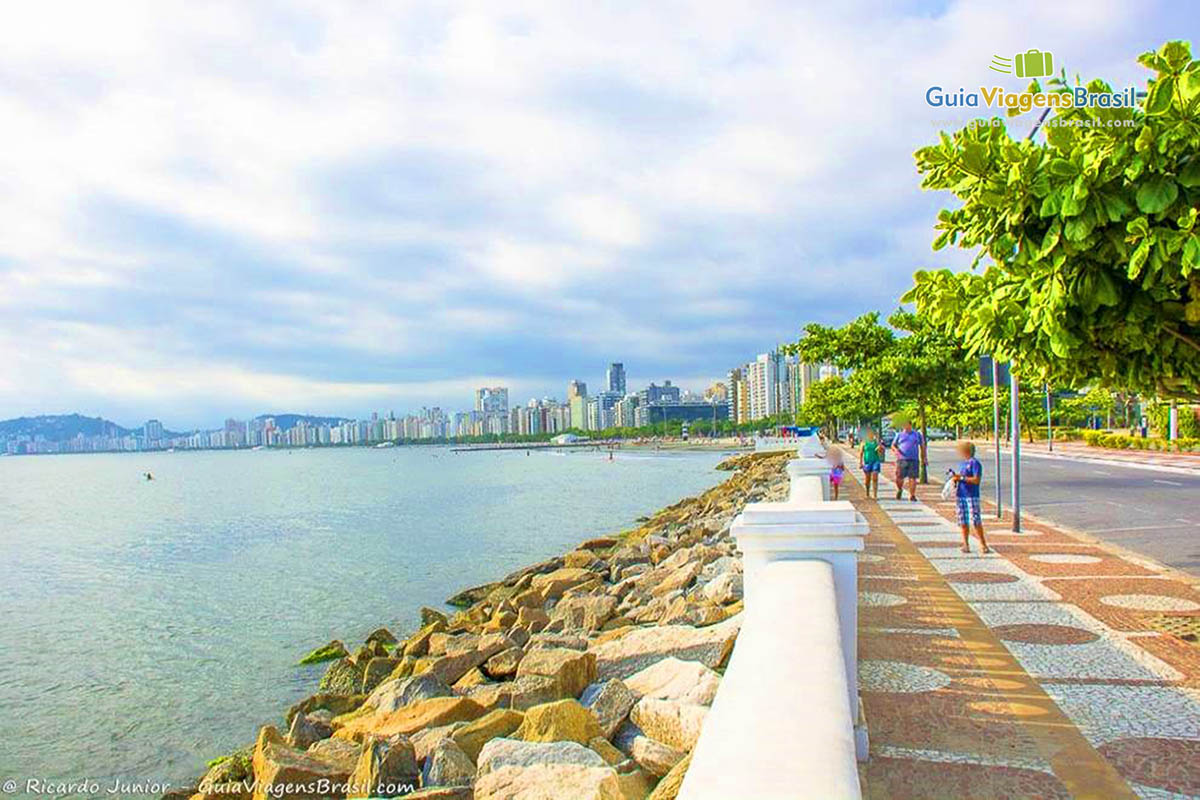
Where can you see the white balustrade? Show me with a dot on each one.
(786, 722)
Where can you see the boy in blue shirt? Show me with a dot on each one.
(966, 480)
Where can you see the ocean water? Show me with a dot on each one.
(147, 626)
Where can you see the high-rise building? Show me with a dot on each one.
(153, 430)
(763, 381)
(739, 400)
(491, 400)
(577, 403)
(615, 378)
(659, 394)
(600, 410)
(624, 411)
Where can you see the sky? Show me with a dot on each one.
(221, 209)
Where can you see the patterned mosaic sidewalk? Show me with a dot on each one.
(1038, 671)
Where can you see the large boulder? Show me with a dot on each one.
(306, 731)
(579, 558)
(668, 578)
(344, 676)
(228, 778)
(674, 724)
(337, 751)
(383, 636)
(560, 721)
(491, 695)
(504, 664)
(454, 665)
(446, 643)
(599, 543)
(430, 616)
(674, 679)
(654, 757)
(276, 766)
(571, 670)
(412, 718)
(399, 692)
(550, 782)
(326, 652)
(500, 753)
(638, 649)
(426, 740)
(585, 613)
(377, 671)
(724, 589)
(386, 768)
(448, 765)
(323, 701)
(610, 702)
(493, 725)
(532, 619)
(553, 584)
(528, 691)
(418, 644)
(688, 611)
(472, 679)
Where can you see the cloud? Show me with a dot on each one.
(217, 208)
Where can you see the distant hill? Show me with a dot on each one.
(61, 427)
(285, 422)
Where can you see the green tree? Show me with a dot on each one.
(909, 359)
(1094, 271)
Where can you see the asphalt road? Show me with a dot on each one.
(1153, 513)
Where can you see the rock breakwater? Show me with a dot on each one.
(586, 676)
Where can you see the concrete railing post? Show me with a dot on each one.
(822, 530)
(801, 472)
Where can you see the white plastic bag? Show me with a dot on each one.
(948, 489)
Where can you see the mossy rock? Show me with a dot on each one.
(326, 652)
(344, 676)
(383, 636)
(231, 768)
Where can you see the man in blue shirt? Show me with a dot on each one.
(966, 482)
(909, 447)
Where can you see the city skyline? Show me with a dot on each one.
(774, 384)
(355, 207)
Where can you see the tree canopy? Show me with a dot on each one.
(1094, 272)
(909, 360)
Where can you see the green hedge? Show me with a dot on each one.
(1120, 441)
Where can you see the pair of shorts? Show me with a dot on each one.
(967, 511)
(869, 468)
(835, 476)
(908, 468)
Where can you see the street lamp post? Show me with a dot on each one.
(996, 431)
(1015, 403)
